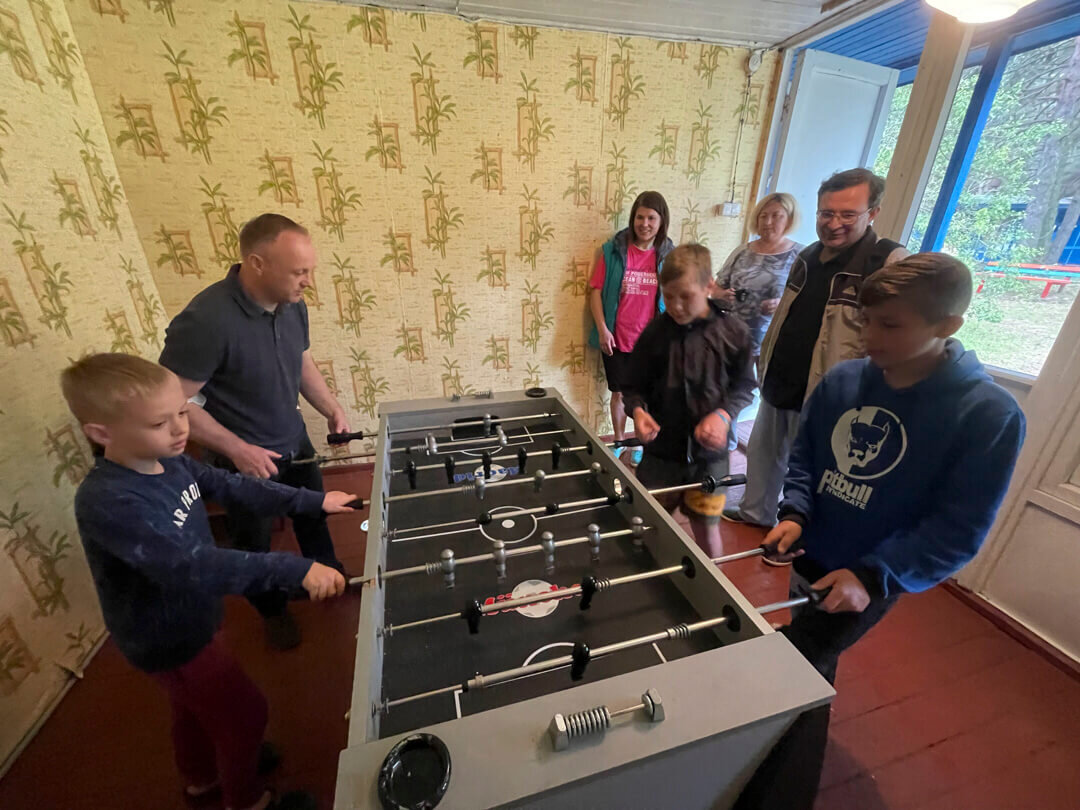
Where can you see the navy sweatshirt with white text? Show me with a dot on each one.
(158, 574)
(901, 486)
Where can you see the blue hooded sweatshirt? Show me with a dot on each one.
(901, 486)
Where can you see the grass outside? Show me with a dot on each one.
(1010, 326)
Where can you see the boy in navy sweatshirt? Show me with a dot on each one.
(159, 576)
(899, 466)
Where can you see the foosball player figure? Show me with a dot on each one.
(689, 376)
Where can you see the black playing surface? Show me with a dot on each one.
(437, 655)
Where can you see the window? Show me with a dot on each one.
(945, 149)
(1015, 222)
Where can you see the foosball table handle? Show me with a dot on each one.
(345, 438)
(711, 484)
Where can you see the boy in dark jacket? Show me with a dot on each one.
(159, 576)
(691, 374)
(898, 469)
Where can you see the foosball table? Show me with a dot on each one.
(536, 631)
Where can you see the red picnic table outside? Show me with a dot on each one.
(1051, 275)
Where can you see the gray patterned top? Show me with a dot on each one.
(763, 277)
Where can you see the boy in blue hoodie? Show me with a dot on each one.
(899, 466)
(160, 578)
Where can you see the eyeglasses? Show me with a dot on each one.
(846, 217)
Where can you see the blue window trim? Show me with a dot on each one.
(967, 141)
(993, 58)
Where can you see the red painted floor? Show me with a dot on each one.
(936, 708)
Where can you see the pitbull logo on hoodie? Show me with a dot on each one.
(867, 443)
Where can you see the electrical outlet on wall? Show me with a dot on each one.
(730, 209)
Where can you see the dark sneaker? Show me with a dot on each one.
(282, 632)
(774, 562)
(733, 515)
(294, 800)
(269, 759)
(268, 762)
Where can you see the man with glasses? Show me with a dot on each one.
(814, 328)
(241, 350)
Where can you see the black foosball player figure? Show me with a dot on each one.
(690, 374)
(897, 471)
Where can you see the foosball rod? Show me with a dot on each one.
(487, 421)
(421, 467)
(432, 447)
(579, 659)
(550, 509)
(707, 484)
(586, 589)
(447, 562)
(479, 485)
(587, 447)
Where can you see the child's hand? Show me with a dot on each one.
(769, 305)
(847, 594)
(336, 502)
(322, 581)
(712, 432)
(780, 539)
(607, 341)
(645, 427)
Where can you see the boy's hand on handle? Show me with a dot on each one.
(323, 582)
(607, 341)
(645, 427)
(725, 294)
(335, 503)
(255, 461)
(769, 305)
(780, 539)
(846, 592)
(712, 432)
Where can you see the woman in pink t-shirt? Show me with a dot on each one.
(625, 295)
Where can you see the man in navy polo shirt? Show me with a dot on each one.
(242, 346)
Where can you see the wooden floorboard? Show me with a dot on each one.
(937, 708)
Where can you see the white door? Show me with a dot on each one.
(1030, 565)
(833, 117)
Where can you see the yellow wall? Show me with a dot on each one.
(73, 278)
(264, 119)
(453, 249)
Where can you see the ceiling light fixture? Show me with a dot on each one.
(979, 11)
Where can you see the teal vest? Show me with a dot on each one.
(614, 270)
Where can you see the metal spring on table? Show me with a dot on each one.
(433, 568)
(679, 631)
(602, 584)
(588, 722)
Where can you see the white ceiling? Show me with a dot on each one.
(759, 22)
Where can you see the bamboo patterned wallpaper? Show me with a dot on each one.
(457, 179)
(73, 278)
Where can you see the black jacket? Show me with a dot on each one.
(680, 374)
